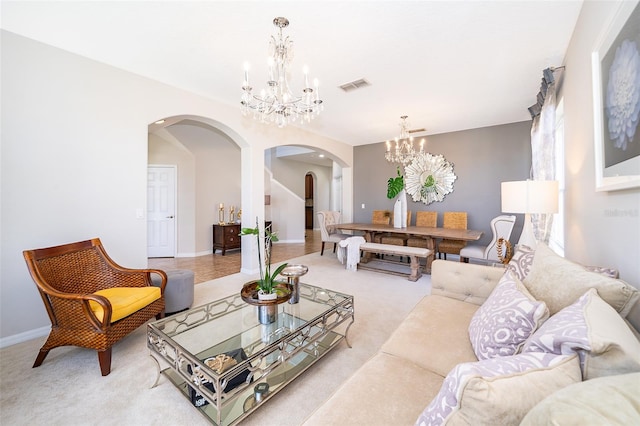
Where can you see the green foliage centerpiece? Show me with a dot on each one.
(395, 188)
(395, 185)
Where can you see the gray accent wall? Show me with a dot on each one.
(482, 159)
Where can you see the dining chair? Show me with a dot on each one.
(379, 217)
(396, 239)
(501, 227)
(426, 219)
(452, 220)
(327, 220)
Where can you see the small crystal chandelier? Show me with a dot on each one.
(403, 152)
(277, 104)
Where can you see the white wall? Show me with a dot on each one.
(217, 177)
(602, 228)
(74, 162)
(594, 235)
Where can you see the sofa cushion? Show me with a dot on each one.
(506, 319)
(467, 282)
(560, 282)
(435, 334)
(612, 400)
(386, 390)
(594, 330)
(499, 391)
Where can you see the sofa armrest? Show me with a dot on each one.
(464, 281)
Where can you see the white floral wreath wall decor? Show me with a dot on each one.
(429, 178)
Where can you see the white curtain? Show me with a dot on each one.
(543, 167)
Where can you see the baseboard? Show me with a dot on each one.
(23, 337)
(288, 241)
(197, 254)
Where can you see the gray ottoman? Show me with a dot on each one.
(178, 293)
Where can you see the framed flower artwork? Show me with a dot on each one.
(616, 91)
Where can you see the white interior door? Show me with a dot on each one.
(161, 211)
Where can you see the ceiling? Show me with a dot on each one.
(448, 65)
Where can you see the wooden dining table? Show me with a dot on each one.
(429, 234)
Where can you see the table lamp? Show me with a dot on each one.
(529, 196)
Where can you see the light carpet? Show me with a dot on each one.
(67, 389)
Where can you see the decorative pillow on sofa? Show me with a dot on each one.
(594, 330)
(520, 264)
(499, 390)
(521, 261)
(506, 319)
(560, 282)
(612, 400)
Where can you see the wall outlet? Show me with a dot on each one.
(363, 205)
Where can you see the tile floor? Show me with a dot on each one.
(214, 266)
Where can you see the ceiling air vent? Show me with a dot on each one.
(353, 85)
(418, 130)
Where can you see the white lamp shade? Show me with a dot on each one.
(530, 196)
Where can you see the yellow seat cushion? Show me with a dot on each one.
(125, 300)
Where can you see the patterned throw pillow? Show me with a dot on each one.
(506, 319)
(499, 390)
(520, 263)
(591, 328)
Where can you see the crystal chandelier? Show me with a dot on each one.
(277, 104)
(403, 152)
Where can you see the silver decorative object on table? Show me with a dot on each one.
(293, 274)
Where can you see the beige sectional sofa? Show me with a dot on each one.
(406, 374)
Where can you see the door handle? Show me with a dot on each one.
(169, 217)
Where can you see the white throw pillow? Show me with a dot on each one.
(560, 282)
(595, 331)
(506, 319)
(499, 391)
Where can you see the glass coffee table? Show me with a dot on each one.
(266, 357)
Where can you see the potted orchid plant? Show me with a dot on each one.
(267, 284)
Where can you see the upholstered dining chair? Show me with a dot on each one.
(452, 220)
(92, 302)
(327, 220)
(427, 219)
(501, 227)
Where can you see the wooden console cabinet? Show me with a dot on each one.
(226, 237)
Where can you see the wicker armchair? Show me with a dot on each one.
(84, 292)
(452, 220)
